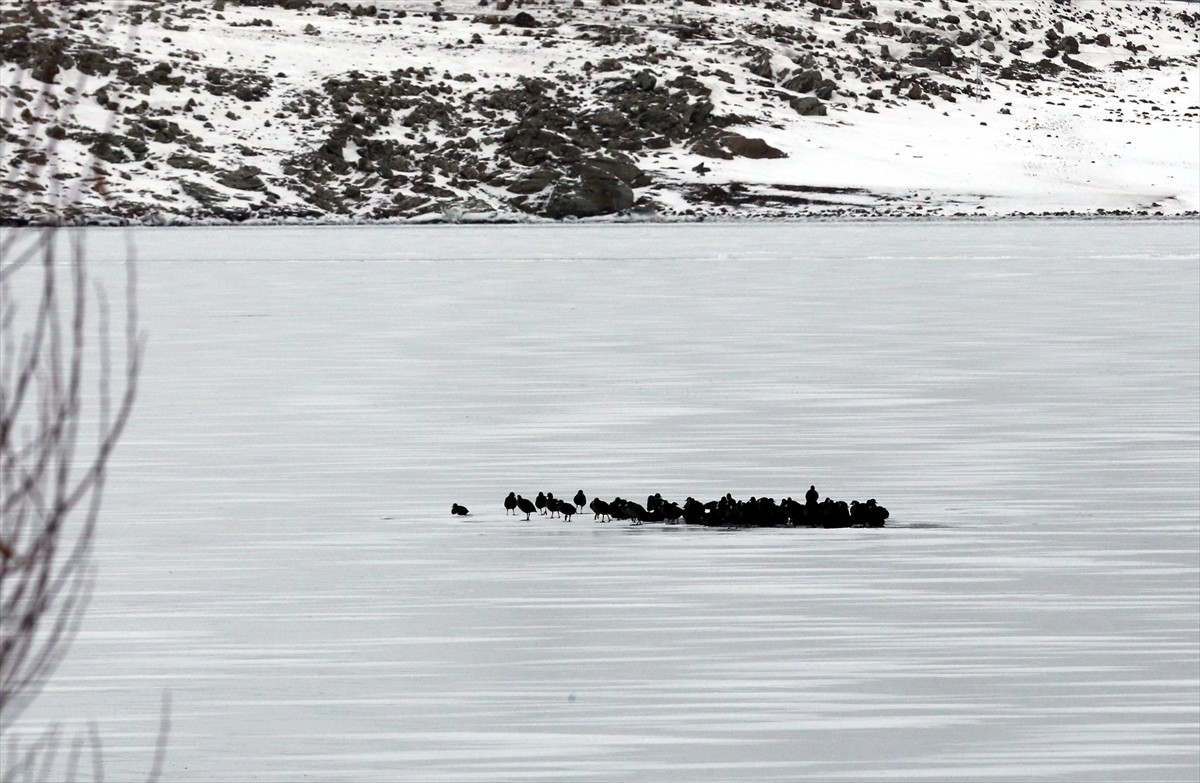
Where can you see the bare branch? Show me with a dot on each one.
(52, 471)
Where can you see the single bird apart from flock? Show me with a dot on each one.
(459, 511)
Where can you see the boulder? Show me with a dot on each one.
(805, 81)
(711, 148)
(808, 106)
(593, 192)
(609, 118)
(1078, 65)
(524, 19)
(242, 178)
(207, 196)
(193, 162)
(623, 170)
(644, 80)
(535, 181)
(748, 147)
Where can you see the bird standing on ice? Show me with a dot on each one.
(526, 506)
(510, 503)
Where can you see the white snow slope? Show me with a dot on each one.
(278, 109)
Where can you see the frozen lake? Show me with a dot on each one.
(276, 548)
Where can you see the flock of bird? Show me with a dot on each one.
(724, 512)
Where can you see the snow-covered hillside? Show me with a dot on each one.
(484, 109)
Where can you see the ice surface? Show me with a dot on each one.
(277, 551)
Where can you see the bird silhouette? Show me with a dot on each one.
(600, 508)
(510, 503)
(459, 511)
(526, 506)
(580, 499)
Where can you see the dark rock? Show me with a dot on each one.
(594, 192)
(535, 181)
(806, 81)
(609, 118)
(1077, 65)
(662, 121)
(1050, 68)
(242, 178)
(808, 106)
(644, 80)
(882, 28)
(524, 19)
(711, 148)
(621, 169)
(760, 66)
(207, 196)
(114, 148)
(409, 203)
(697, 113)
(191, 162)
(748, 147)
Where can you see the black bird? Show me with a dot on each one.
(566, 509)
(601, 509)
(526, 506)
(580, 499)
(540, 502)
(459, 511)
(510, 503)
(701, 169)
(811, 496)
(636, 512)
(551, 504)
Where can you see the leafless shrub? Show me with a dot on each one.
(63, 408)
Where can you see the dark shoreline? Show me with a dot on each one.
(158, 221)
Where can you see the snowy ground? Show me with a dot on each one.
(1123, 135)
(277, 551)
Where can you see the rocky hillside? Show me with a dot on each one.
(184, 110)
